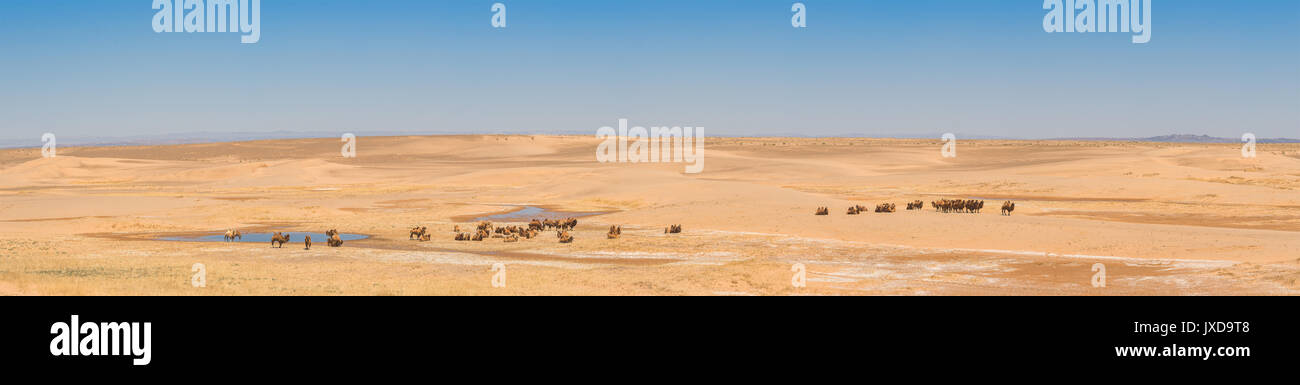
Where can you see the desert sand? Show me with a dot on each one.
(1163, 219)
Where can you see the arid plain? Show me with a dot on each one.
(1162, 218)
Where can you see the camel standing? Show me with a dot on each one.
(308, 242)
(279, 238)
(1008, 207)
(418, 231)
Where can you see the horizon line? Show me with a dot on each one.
(212, 137)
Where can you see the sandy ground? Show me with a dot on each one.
(1179, 219)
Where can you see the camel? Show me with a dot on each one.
(462, 236)
(480, 236)
(423, 238)
(885, 208)
(915, 205)
(485, 226)
(569, 223)
(614, 232)
(852, 210)
(417, 232)
(1008, 207)
(456, 229)
(823, 211)
(536, 225)
(308, 242)
(279, 238)
(566, 238)
(512, 238)
(673, 229)
(548, 224)
(232, 235)
(335, 241)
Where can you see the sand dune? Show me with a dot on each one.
(1164, 218)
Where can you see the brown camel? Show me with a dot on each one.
(1008, 207)
(279, 238)
(614, 232)
(823, 211)
(307, 241)
(418, 231)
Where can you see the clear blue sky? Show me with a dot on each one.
(873, 67)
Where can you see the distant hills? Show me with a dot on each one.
(1187, 138)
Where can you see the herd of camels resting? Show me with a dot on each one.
(942, 205)
(512, 233)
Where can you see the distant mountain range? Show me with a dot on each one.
(207, 137)
(1186, 138)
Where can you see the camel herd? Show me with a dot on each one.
(958, 205)
(511, 233)
(942, 205)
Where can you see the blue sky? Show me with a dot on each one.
(866, 67)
